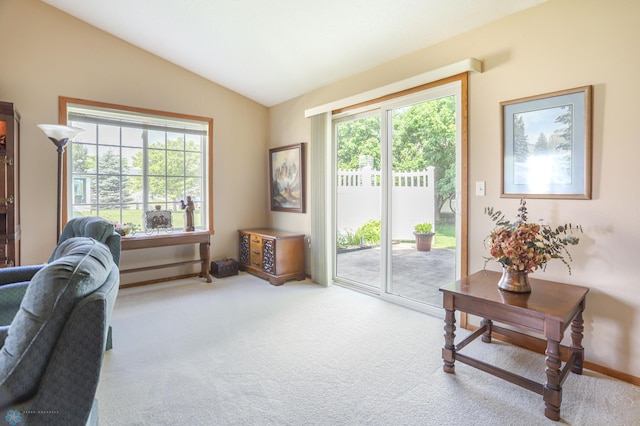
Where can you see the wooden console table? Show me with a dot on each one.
(203, 238)
(548, 310)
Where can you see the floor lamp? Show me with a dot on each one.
(59, 135)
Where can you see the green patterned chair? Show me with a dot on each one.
(51, 354)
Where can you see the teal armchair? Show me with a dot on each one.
(14, 280)
(52, 352)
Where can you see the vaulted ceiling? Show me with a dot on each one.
(273, 51)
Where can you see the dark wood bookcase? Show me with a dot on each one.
(9, 185)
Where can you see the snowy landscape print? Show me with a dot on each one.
(542, 143)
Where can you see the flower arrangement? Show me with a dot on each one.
(125, 228)
(523, 246)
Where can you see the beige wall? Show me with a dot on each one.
(46, 54)
(558, 45)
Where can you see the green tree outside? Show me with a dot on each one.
(424, 135)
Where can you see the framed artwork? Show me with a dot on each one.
(157, 219)
(287, 180)
(546, 145)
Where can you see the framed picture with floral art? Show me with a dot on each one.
(287, 179)
(546, 145)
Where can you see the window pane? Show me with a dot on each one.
(110, 213)
(109, 190)
(83, 190)
(193, 187)
(90, 132)
(132, 161)
(108, 135)
(83, 158)
(175, 141)
(88, 210)
(193, 164)
(194, 143)
(175, 162)
(133, 187)
(178, 219)
(157, 189)
(157, 162)
(156, 139)
(108, 160)
(132, 137)
(132, 213)
(175, 188)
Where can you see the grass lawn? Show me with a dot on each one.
(445, 236)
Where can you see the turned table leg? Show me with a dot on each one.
(204, 258)
(552, 393)
(577, 329)
(449, 337)
(486, 336)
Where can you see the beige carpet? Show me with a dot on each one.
(239, 351)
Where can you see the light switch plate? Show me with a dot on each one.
(480, 188)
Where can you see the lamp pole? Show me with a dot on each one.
(59, 135)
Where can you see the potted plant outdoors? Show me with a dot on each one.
(424, 236)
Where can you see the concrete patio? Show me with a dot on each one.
(417, 275)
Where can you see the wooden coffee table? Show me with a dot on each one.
(548, 310)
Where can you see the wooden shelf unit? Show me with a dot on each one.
(9, 185)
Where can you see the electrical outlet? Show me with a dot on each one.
(480, 188)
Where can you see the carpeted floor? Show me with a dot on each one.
(239, 351)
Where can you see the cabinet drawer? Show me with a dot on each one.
(255, 250)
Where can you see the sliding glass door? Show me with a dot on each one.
(398, 164)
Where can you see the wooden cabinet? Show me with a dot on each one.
(9, 185)
(276, 256)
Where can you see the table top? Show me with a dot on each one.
(142, 240)
(549, 298)
(270, 232)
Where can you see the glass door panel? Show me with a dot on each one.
(423, 179)
(358, 202)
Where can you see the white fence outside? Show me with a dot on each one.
(358, 199)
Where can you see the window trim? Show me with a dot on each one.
(63, 101)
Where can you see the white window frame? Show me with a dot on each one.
(141, 118)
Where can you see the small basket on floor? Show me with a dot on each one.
(224, 268)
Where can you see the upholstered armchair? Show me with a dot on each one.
(14, 281)
(51, 355)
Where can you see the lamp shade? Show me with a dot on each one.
(59, 131)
